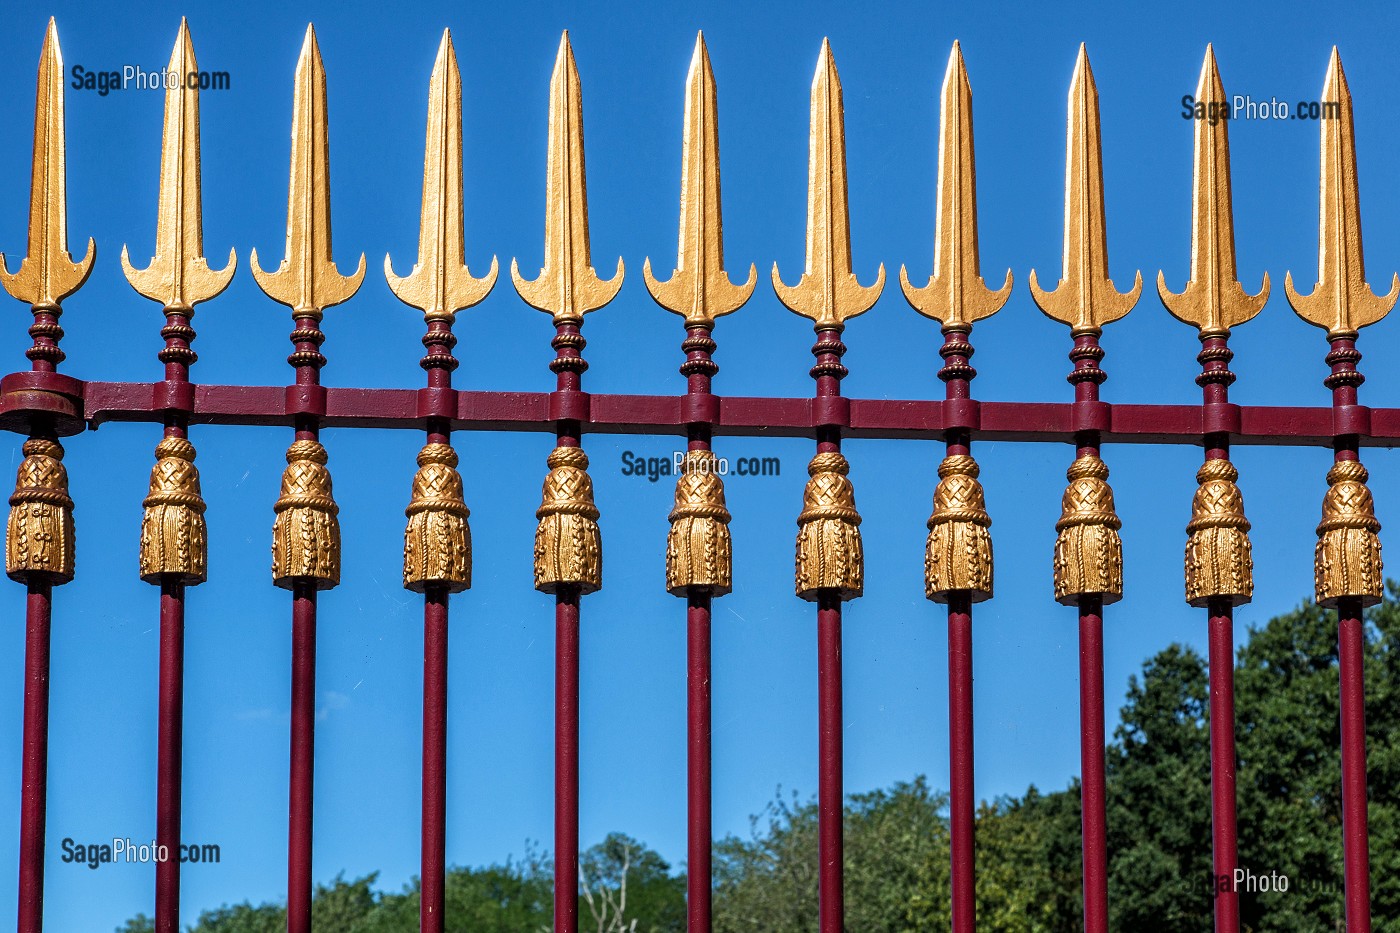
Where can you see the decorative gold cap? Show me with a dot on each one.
(173, 539)
(1341, 301)
(179, 277)
(307, 280)
(437, 544)
(828, 292)
(1085, 299)
(956, 295)
(1219, 563)
(39, 541)
(958, 556)
(698, 549)
(306, 533)
(568, 545)
(1348, 558)
(699, 288)
(440, 284)
(1213, 300)
(1088, 550)
(48, 274)
(829, 552)
(567, 287)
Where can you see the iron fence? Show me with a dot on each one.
(47, 405)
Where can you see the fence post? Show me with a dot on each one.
(39, 543)
(437, 540)
(306, 532)
(1088, 550)
(1219, 567)
(830, 562)
(174, 549)
(1348, 558)
(699, 559)
(958, 554)
(568, 546)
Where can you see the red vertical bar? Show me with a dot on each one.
(1222, 762)
(434, 853)
(829, 784)
(961, 792)
(34, 766)
(698, 712)
(1094, 817)
(1356, 838)
(566, 667)
(169, 743)
(302, 758)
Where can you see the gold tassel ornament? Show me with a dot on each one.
(437, 545)
(1348, 559)
(306, 533)
(958, 557)
(173, 538)
(1219, 563)
(1088, 551)
(698, 549)
(39, 540)
(829, 554)
(568, 545)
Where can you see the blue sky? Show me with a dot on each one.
(633, 58)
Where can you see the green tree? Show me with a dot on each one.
(1029, 863)
(896, 862)
(1159, 799)
(627, 887)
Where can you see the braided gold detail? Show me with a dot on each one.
(829, 553)
(1348, 559)
(39, 540)
(698, 551)
(1218, 557)
(437, 545)
(568, 545)
(173, 539)
(1088, 551)
(306, 533)
(958, 556)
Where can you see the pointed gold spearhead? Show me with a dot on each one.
(1213, 300)
(1341, 301)
(828, 292)
(179, 277)
(441, 284)
(699, 288)
(956, 295)
(567, 287)
(307, 280)
(48, 273)
(1085, 299)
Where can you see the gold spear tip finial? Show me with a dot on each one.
(956, 294)
(1213, 300)
(699, 288)
(440, 284)
(307, 280)
(1341, 301)
(178, 276)
(48, 274)
(828, 291)
(1085, 298)
(567, 287)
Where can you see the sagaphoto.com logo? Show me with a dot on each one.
(137, 78)
(1245, 107)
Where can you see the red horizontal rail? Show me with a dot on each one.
(742, 416)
